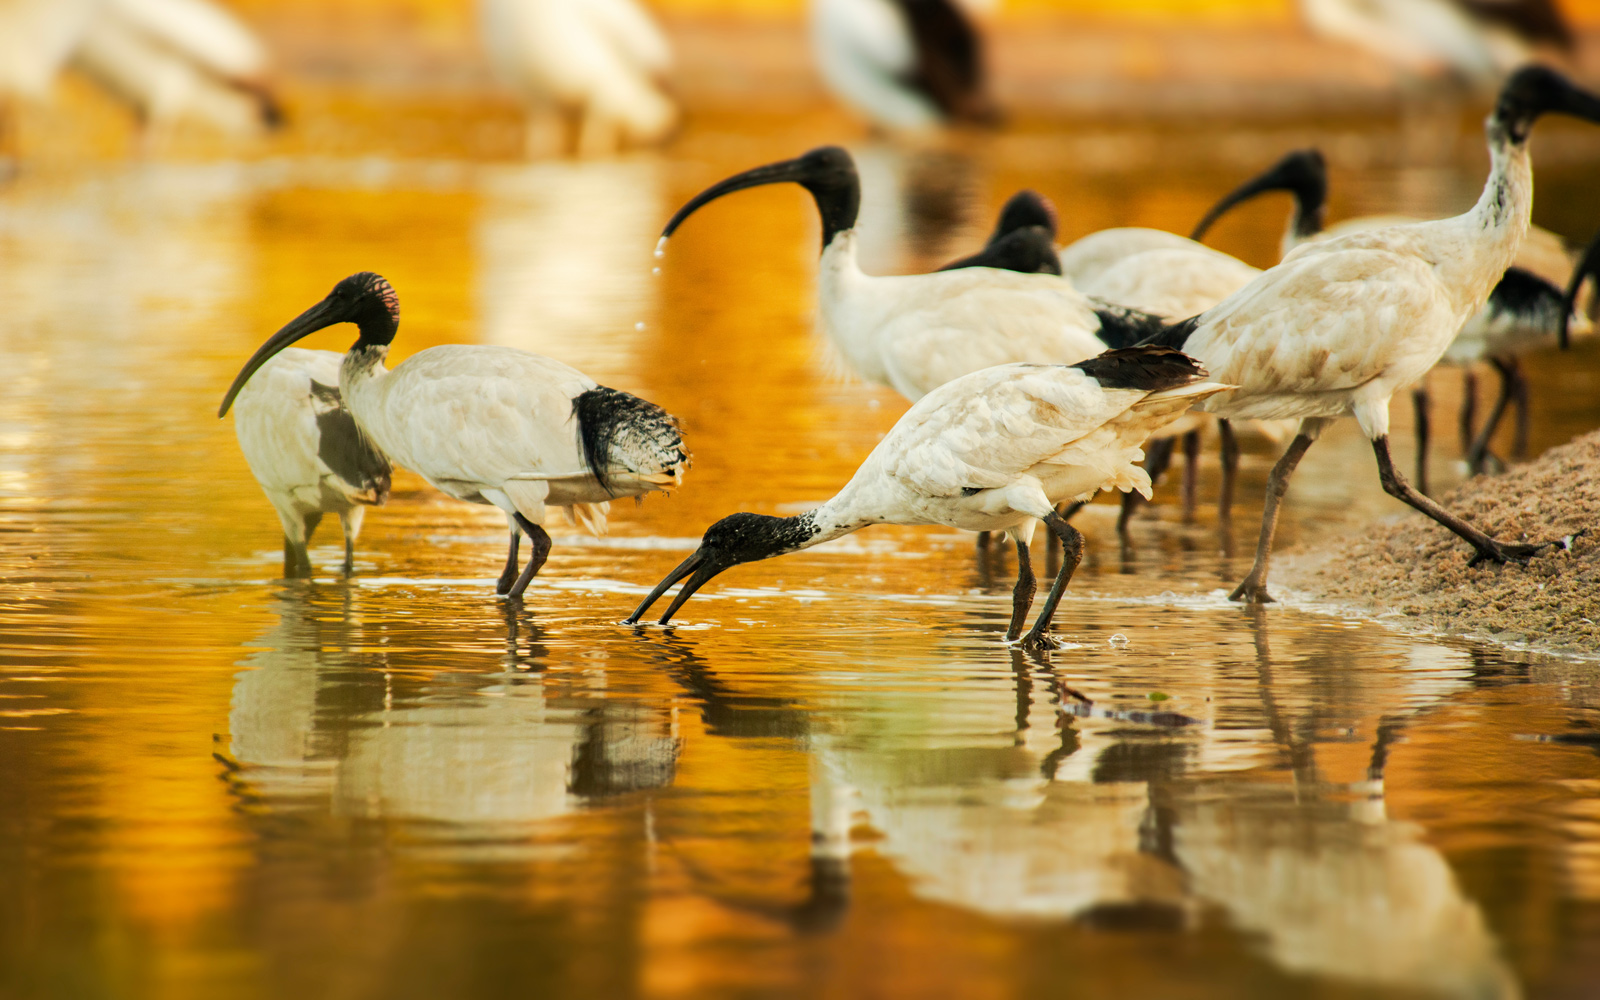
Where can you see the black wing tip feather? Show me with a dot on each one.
(602, 412)
(1122, 327)
(1524, 293)
(1150, 368)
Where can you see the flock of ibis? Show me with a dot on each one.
(1037, 375)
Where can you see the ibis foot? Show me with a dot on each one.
(1251, 592)
(1517, 552)
(1036, 642)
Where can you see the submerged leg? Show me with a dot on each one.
(541, 551)
(1396, 486)
(1191, 472)
(509, 575)
(296, 561)
(1022, 596)
(1253, 589)
(1230, 469)
(1478, 453)
(1071, 556)
(350, 521)
(1420, 404)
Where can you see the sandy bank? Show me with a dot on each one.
(1416, 569)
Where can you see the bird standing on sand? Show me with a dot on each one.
(304, 449)
(989, 451)
(491, 425)
(1338, 327)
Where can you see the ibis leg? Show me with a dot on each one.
(1487, 548)
(509, 575)
(1469, 408)
(1230, 469)
(1022, 596)
(1253, 589)
(1478, 453)
(983, 542)
(541, 551)
(1191, 472)
(1420, 405)
(296, 561)
(350, 520)
(1071, 556)
(1519, 396)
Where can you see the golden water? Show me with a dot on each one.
(831, 778)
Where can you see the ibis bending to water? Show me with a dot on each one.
(902, 64)
(306, 452)
(989, 451)
(916, 332)
(1340, 326)
(1523, 311)
(491, 425)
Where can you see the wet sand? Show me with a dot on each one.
(1415, 571)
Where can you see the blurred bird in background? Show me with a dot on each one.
(599, 63)
(1478, 41)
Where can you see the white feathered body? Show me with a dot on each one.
(916, 332)
(865, 53)
(1420, 36)
(995, 448)
(1085, 259)
(276, 418)
(600, 59)
(490, 425)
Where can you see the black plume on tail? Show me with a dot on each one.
(620, 429)
(1149, 368)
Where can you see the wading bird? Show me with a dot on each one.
(304, 449)
(1479, 40)
(1523, 311)
(916, 332)
(600, 62)
(1340, 326)
(491, 425)
(902, 64)
(990, 451)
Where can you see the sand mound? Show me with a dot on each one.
(1417, 569)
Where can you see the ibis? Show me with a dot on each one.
(599, 62)
(491, 425)
(989, 451)
(1523, 311)
(916, 332)
(904, 65)
(1478, 40)
(1340, 326)
(305, 450)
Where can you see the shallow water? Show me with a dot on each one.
(832, 777)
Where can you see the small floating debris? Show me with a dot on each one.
(1119, 640)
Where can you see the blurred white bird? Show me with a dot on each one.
(1479, 40)
(902, 64)
(600, 62)
(305, 451)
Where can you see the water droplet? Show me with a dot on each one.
(655, 270)
(639, 326)
(1118, 640)
(661, 248)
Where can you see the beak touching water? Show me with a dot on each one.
(320, 316)
(702, 565)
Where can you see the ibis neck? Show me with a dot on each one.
(847, 311)
(837, 206)
(1487, 237)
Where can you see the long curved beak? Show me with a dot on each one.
(786, 172)
(1281, 176)
(700, 565)
(1588, 266)
(1578, 103)
(318, 317)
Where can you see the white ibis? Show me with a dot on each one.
(989, 451)
(902, 64)
(1523, 311)
(915, 332)
(601, 62)
(1479, 40)
(1340, 326)
(304, 449)
(491, 425)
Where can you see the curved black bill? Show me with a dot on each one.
(1588, 266)
(318, 317)
(701, 566)
(787, 171)
(1299, 173)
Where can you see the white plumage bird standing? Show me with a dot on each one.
(491, 425)
(598, 62)
(1338, 327)
(305, 450)
(990, 451)
(916, 332)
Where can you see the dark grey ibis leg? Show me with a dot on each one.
(509, 576)
(1519, 396)
(1420, 404)
(1469, 408)
(1230, 469)
(1191, 472)
(1478, 452)
(1022, 596)
(1253, 589)
(1158, 455)
(1488, 549)
(1071, 556)
(541, 551)
(296, 561)
(1067, 511)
